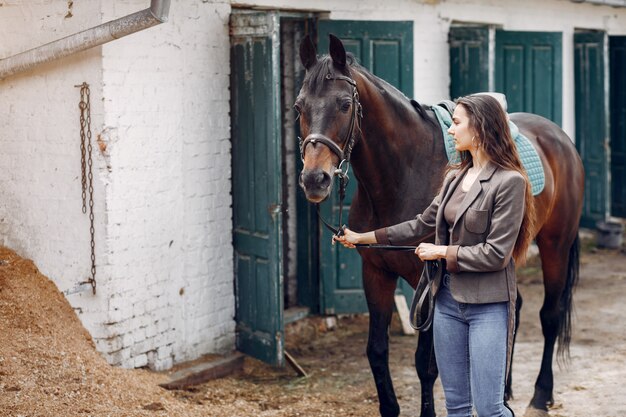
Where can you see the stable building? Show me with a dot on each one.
(202, 242)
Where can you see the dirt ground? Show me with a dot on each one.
(48, 365)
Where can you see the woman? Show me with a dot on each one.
(483, 219)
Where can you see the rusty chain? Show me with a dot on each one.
(86, 164)
(82, 153)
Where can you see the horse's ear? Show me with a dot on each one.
(308, 53)
(337, 51)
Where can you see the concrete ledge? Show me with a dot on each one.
(294, 314)
(198, 372)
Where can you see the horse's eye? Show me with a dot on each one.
(345, 106)
(298, 108)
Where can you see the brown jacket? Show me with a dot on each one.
(480, 245)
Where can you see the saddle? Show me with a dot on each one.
(527, 152)
(449, 105)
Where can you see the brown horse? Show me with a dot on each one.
(398, 158)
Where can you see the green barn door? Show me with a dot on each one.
(255, 112)
(386, 49)
(469, 60)
(528, 71)
(591, 130)
(617, 48)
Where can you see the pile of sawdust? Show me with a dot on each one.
(48, 363)
(49, 367)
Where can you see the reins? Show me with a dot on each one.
(421, 314)
(339, 231)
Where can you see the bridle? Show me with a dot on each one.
(345, 150)
(344, 153)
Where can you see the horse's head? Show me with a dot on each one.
(329, 111)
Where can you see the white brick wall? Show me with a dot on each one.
(41, 216)
(160, 106)
(160, 103)
(166, 111)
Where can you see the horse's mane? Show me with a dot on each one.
(421, 110)
(316, 75)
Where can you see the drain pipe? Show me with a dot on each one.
(157, 13)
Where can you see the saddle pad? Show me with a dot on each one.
(527, 152)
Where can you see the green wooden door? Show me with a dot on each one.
(617, 48)
(469, 60)
(256, 144)
(591, 130)
(528, 71)
(386, 49)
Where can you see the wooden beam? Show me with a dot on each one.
(205, 371)
(292, 362)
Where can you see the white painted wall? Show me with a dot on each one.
(160, 104)
(432, 20)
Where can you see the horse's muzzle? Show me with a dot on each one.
(316, 184)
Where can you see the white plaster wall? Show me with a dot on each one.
(432, 20)
(160, 104)
(550, 16)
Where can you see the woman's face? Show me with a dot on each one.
(461, 130)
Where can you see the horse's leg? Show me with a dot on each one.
(557, 256)
(379, 288)
(427, 371)
(508, 390)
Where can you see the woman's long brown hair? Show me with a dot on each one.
(491, 124)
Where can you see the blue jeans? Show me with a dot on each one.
(470, 346)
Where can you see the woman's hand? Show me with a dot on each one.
(349, 238)
(430, 252)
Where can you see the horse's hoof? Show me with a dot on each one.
(533, 412)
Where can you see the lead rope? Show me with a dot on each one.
(86, 172)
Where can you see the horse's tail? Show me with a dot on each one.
(567, 304)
